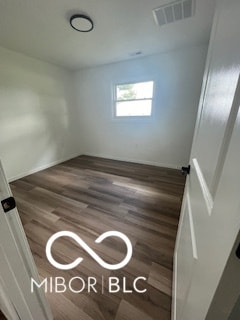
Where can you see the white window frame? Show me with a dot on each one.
(134, 81)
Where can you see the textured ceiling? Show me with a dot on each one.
(40, 29)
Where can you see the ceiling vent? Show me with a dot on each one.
(174, 11)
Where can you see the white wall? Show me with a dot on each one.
(164, 140)
(41, 123)
(37, 114)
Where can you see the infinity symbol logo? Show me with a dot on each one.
(89, 250)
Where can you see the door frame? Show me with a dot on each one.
(16, 232)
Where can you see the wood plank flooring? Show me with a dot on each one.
(90, 196)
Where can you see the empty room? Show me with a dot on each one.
(119, 160)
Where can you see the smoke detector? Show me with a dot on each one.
(174, 11)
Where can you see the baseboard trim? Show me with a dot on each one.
(151, 163)
(46, 166)
(54, 163)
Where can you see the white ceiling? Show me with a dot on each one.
(40, 29)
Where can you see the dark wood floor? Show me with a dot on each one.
(90, 196)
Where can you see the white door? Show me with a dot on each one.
(17, 267)
(210, 216)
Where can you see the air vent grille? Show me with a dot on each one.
(174, 11)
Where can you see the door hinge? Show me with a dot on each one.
(186, 170)
(238, 251)
(8, 204)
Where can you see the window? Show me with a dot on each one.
(134, 99)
